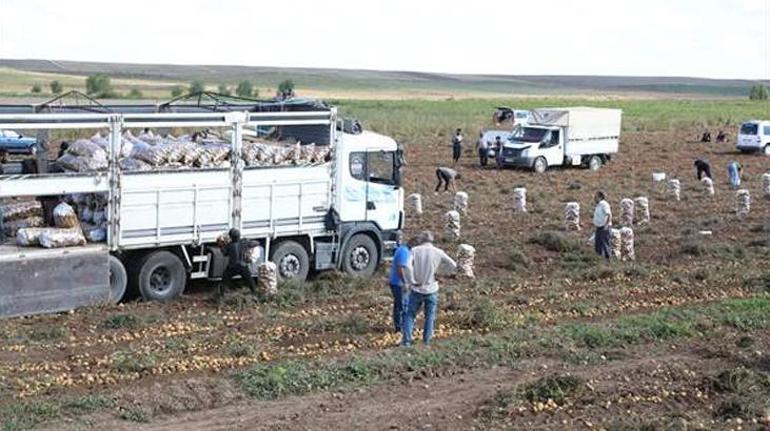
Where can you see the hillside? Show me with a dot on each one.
(156, 79)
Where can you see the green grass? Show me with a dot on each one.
(270, 381)
(25, 415)
(554, 387)
(118, 321)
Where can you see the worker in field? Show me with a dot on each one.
(237, 263)
(734, 171)
(603, 224)
(706, 137)
(721, 137)
(399, 279)
(499, 151)
(482, 147)
(703, 168)
(447, 177)
(457, 146)
(427, 262)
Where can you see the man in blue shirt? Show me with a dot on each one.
(398, 280)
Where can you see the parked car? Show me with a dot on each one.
(15, 143)
(754, 136)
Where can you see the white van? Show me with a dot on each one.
(754, 136)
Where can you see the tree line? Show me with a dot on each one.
(100, 86)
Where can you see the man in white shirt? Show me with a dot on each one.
(603, 224)
(427, 261)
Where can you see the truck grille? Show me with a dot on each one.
(511, 153)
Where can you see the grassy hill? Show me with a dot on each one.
(156, 80)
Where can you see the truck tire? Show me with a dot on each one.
(360, 257)
(766, 150)
(291, 261)
(118, 280)
(162, 276)
(594, 163)
(540, 165)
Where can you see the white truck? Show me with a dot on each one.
(579, 136)
(754, 136)
(163, 225)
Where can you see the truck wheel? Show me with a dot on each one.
(594, 163)
(766, 150)
(361, 257)
(291, 261)
(118, 280)
(540, 165)
(162, 276)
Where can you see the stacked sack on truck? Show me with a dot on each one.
(92, 213)
(20, 214)
(67, 232)
(149, 151)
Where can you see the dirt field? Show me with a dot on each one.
(547, 337)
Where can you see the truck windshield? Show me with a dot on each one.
(749, 129)
(529, 134)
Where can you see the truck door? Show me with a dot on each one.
(553, 148)
(383, 189)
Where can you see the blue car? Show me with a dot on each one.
(16, 143)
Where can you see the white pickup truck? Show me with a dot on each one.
(162, 226)
(577, 136)
(754, 136)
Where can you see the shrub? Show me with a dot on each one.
(555, 387)
(99, 85)
(553, 241)
(177, 91)
(56, 87)
(133, 362)
(36, 88)
(244, 89)
(120, 321)
(197, 87)
(48, 333)
(758, 92)
(135, 93)
(224, 90)
(483, 314)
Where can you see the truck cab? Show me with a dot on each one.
(529, 146)
(754, 136)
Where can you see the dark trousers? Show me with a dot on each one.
(398, 306)
(442, 179)
(483, 157)
(457, 151)
(232, 271)
(602, 242)
(705, 171)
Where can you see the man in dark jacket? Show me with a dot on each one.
(703, 167)
(237, 263)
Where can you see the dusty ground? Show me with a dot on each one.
(142, 352)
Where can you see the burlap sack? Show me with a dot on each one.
(465, 257)
(520, 199)
(626, 212)
(572, 216)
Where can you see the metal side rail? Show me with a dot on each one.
(52, 184)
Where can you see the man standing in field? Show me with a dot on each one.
(499, 154)
(446, 176)
(399, 279)
(603, 223)
(457, 146)
(483, 148)
(427, 261)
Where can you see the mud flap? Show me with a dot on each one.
(37, 281)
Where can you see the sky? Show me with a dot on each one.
(697, 38)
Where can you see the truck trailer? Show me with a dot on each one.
(163, 225)
(577, 136)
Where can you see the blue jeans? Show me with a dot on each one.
(413, 304)
(399, 304)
